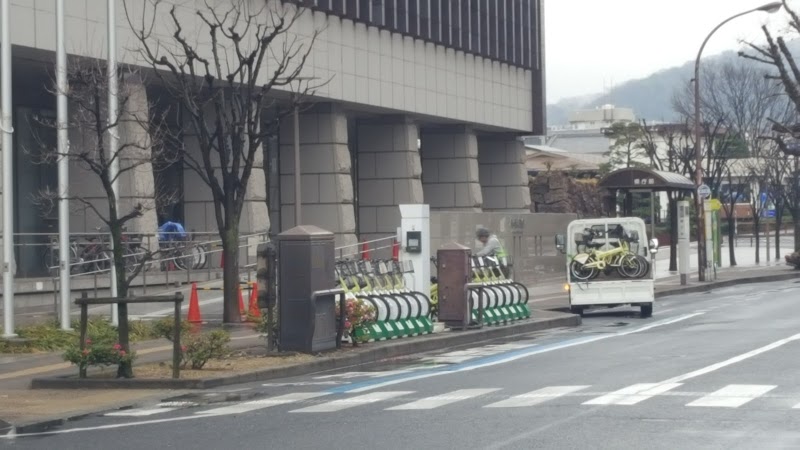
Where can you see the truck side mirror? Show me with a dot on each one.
(653, 246)
(561, 243)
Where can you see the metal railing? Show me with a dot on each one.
(367, 248)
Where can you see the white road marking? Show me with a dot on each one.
(535, 350)
(261, 404)
(307, 383)
(732, 396)
(632, 395)
(730, 361)
(345, 403)
(139, 412)
(536, 397)
(441, 400)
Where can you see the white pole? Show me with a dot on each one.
(113, 137)
(63, 169)
(9, 267)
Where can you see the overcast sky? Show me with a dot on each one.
(592, 44)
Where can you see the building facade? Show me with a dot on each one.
(424, 102)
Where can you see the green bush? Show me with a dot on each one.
(202, 348)
(97, 353)
(165, 328)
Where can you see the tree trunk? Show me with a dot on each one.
(673, 233)
(230, 275)
(732, 239)
(796, 223)
(125, 369)
(757, 236)
(778, 226)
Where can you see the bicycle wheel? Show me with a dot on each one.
(198, 256)
(102, 261)
(183, 258)
(580, 272)
(645, 263)
(629, 266)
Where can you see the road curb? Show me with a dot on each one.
(375, 354)
(727, 283)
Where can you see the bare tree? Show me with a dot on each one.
(779, 59)
(89, 127)
(226, 69)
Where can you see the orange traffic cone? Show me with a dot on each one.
(365, 251)
(241, 302)
(396, 251)
(255, 311)
(194, 306)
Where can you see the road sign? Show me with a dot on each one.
(704, 191)
(715, 204)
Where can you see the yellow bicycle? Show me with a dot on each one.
(588, 265)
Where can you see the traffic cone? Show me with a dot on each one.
(255, 311)
(365, 251)
(396, 251)
(194, 306)
(241, 302)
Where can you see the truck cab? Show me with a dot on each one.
(609, 263)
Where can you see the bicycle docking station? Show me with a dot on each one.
(474, 292)
(399, 311)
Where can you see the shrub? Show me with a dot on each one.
(200, 349)
(97, 354)
(165, 328)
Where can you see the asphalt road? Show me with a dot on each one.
(713, 370)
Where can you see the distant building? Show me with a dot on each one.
(585, 131)
(541, 158)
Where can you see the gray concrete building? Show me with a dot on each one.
(426, 103)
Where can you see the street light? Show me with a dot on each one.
(771, 7)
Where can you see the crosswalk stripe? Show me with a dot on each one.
(139, 412)
(536, 397)
(345, 403)
(732, 396)
(441, 400)
(263, 403)
(633, 394)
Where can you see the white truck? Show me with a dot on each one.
(609, 264)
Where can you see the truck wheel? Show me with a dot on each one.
(576, 310)
(646, 310)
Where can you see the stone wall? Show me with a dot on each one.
(556, 192)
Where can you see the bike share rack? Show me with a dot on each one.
(494, 299)
(399, 311)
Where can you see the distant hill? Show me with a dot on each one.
(650, 97)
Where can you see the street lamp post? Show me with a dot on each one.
(771, 7)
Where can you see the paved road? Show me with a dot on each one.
(713, 370)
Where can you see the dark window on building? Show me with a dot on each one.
(413, 17)
(378, 12)
(501, 30)
(436, 21)
(447, 27)
(509, 29)
(491, 34)
(390, 13)
(425, 18)
(401, 18)
(526, 33)
(483, 26)
(337, 6)
(351, 9)
(364, 8)
(474, 27)
(462, 14)
(518, 31)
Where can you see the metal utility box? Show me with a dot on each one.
(306, 260)
(453, 273)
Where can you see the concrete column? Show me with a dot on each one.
(450, 169)
(389, 174)
(136, 186)
(326, 183)
(503, 175)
